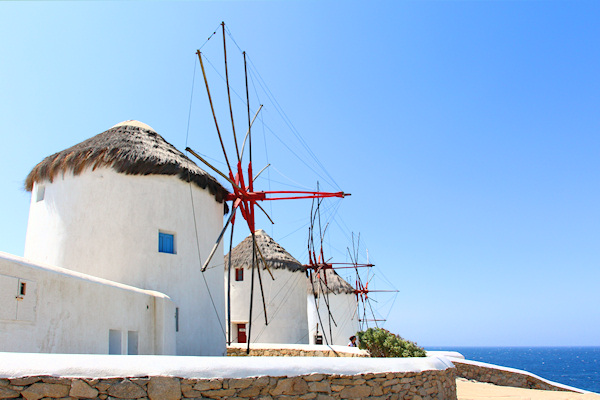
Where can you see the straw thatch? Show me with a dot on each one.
(335, 283)
(130, 148)
(275, 255)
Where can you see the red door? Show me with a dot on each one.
(241, 328)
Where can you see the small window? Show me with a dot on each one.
(23, 289)
(132, 343)
(40, 192)
(166, 243)
(239, 274)
(114, 341)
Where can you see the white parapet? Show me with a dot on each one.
(14, 365)
(300, 347)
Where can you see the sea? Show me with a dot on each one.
(578, 367)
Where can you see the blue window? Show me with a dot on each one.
(166, 243)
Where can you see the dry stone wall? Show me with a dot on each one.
(434, 384)
(280, 352)
(502, 377)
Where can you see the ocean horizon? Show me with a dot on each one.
(576, 366)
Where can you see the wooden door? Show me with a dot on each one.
(241, 333)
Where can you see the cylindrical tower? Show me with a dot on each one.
(285, 294)
(127, 206)
(332, 309)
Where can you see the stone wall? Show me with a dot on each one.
(503, 376)
(431, 384)
(289, 352)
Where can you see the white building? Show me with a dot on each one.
(332, 308)
(285, 294)
(128, 207)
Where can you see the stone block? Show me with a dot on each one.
(320, 387)
(240, 383)
(208, 385)
(290, 386)
(261, 381)
(337, 388)
(54, 379)
(322, 396)
(376, 391)
(126, 390)
(216, 394)
(28, 380)
(189, 392)
(164, 388)
(342, 381)
(7, 393)
(355, 392)
(390, 382)
(313, 377)
(251, 391)
(102, 387)
(140, 381)
(39, 390)
(82, 390)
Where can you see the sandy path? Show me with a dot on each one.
(468, 390)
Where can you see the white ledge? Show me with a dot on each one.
(15, 365)
(302, 347)
(519, 371)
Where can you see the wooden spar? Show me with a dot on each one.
(249, 122)
(214, 249)
(263, 210)
(237, 150)
(213, 108)
(229, 288)
(261, 171)
(247, 133)
(262, 292)
(235, 186)
(265, 262)
(251, 204)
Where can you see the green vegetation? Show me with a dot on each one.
(382, 343)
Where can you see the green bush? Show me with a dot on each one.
(382, 343)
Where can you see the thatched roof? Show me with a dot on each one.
(275, 255)
(335, 283)
(131, 148)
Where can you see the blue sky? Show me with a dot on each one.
(467, 133)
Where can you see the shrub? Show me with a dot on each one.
(382, 343)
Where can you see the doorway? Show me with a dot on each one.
(241, 333)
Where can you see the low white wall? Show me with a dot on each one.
(63, 311)
(14, 365)
(296, 350)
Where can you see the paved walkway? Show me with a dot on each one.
(468, 390)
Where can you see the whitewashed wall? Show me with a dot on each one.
(106, 224)
(343, 308)
(61, 311)
(286, 306)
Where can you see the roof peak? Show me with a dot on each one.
(133, 122)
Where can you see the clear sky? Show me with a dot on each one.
(468, 133)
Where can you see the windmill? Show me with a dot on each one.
(326, 284)
(327, 288)
(365, 311)
(244, 197)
